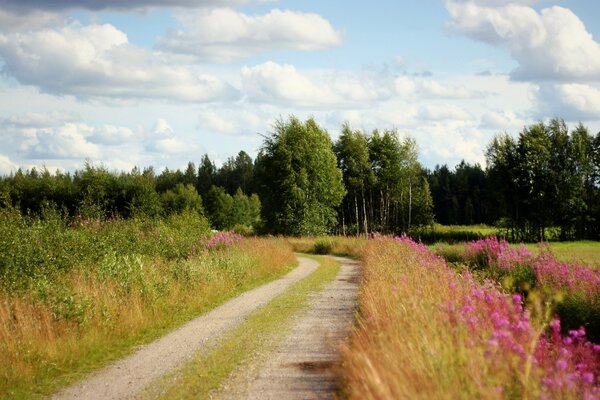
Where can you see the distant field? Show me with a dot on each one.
(585, 251)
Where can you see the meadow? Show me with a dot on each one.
(76, 294)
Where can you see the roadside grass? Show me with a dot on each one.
(427, 331)
(93, 314)
(260, 332)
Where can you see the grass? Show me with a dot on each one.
(426, 331)
(56, 331)
(344, 246)
(260, 332)
(585, 252)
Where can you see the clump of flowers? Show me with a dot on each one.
(495, 324)
(222, 240)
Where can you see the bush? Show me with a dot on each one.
(323, 246)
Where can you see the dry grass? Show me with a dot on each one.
(46, 344)
(348, 246)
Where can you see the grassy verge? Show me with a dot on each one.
(56, 331)
(429, 332)
(263, 328)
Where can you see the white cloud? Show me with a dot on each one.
(501, 120)
(164, 140)
(170, 146)
(65, 142)
(232, 121)
(113, 135)
(428, 88)
(98, 61)
(38, 119)
(223, 35)
(162, 128)
(285, 85)
(6, 165)
(443, 112)
(572, 101)
(551, 45)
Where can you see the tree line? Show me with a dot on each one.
(544, 184)
(300, 183)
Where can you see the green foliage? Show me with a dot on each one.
(298, 179)
(322, 246)
(547, 178)
(575, 311)
(33, 247)
(219, 205)
(181, 197)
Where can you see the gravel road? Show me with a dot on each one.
(304, 365)
(129, 376)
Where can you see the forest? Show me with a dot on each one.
(543, 184)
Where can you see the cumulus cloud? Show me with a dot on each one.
(571, 101)
(284, 84)
(232, 121)
(443, 112)
(223, 35)
(164, 140)
(68, 141)
(113, 135)
(501, 120)
(97, 61)
(552, 45)
(427, 88)
(6, 165)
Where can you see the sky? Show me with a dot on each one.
(160, 83)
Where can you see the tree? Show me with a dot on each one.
(299, 182)
(181, 198)
(206, 176)
(352, 151)
(219, 206)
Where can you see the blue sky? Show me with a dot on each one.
(162, 82)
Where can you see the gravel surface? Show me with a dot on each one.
(129, 376)
(304, 365)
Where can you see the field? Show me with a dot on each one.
(584, 252)
(73, 298)
(487, 319)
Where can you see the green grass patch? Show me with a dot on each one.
(263, 328)
(582, 252)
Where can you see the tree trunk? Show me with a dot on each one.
(409, 205)
(356, 213)
(365, 213)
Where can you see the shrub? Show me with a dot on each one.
(322, 246)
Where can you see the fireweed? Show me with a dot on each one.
(572, 279)
(428, 332)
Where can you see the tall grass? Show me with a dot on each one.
(73, 298)
(428, 332)
(349, 246)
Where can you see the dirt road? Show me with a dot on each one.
(304, 364)
(130, 375)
